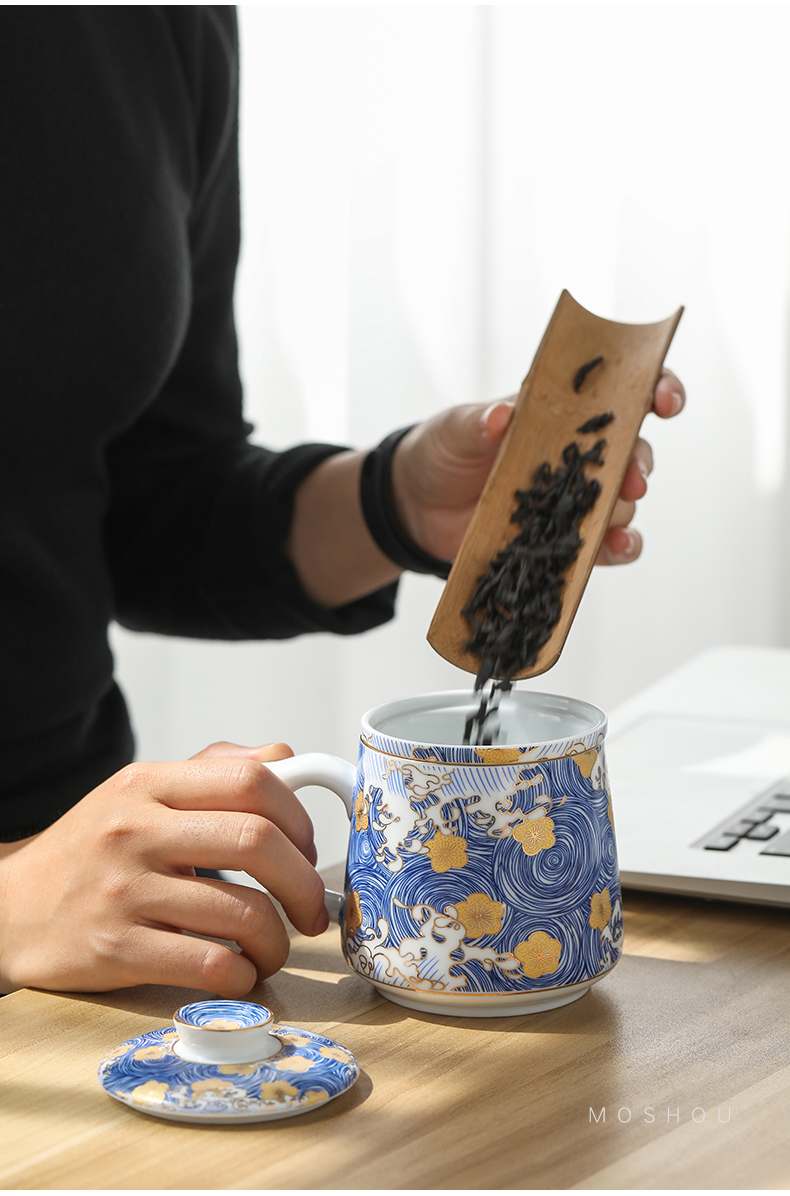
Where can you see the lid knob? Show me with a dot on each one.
(224, 1032)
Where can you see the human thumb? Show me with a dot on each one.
(494, 422)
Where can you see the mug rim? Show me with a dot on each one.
(463, 697)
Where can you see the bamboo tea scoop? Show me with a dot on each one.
(584, 367)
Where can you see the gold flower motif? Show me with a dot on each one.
(150, 1093)
(313, 1096)
(600, 909)
(353, 917)
(361, 812)
(238, 1069)
(499, 755)
(480, 915)
(335, 1053)
(585, 761)
(539, 955)
(446, 852)
(278, 1090)
(609, 811)
(207, 1087)
(152, 1052)
(294, 1063)
(534, 834)
(223, 1023)
(294, 1039)
(116, 1052)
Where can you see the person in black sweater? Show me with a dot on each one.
(129, 491)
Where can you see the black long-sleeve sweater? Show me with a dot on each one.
(128, 489)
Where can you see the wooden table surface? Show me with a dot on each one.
(692, 1026)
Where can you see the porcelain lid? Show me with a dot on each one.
(228, 1062)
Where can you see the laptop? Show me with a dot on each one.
(699, 766)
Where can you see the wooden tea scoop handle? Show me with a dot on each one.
(585, 366)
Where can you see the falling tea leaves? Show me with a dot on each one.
(518, 601)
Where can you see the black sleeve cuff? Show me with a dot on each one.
(375, 495)
(253, 588)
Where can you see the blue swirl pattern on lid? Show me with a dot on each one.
(236, 1015)
(147, 1075)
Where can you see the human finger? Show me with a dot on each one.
(463, 436)
(634, 484)
(244, 843)
(620, 546)
(225, 784)
(263, 754)
(495, 420)
(669, 396)
(157, 955)
(237, 913)
(622, 513)
(643, 457)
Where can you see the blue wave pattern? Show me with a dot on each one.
(147, 1075)
(243, 1013)
(555, 910)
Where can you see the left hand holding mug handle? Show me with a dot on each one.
(101, 898)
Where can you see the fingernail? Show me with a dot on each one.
(500, 404)
(677, 401)
(642, 469)
(485, 416)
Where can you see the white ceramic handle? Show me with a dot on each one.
(330, 772)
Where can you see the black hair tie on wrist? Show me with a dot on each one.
(375, 494)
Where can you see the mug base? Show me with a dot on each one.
(484, 1004)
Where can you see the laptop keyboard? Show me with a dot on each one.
(757, 822)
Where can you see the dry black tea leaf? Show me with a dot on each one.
(596, 422)
(583, 371)
(518, 601)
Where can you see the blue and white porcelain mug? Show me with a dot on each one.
(480, 881)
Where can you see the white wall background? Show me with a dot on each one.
(419, 184)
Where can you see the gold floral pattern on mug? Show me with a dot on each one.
(586, 761)
(498, 755)
(539, 955)
(535, 834)
(600, 909)
(361, 812)
(446, 852)
(479, 915)
(353, 918)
